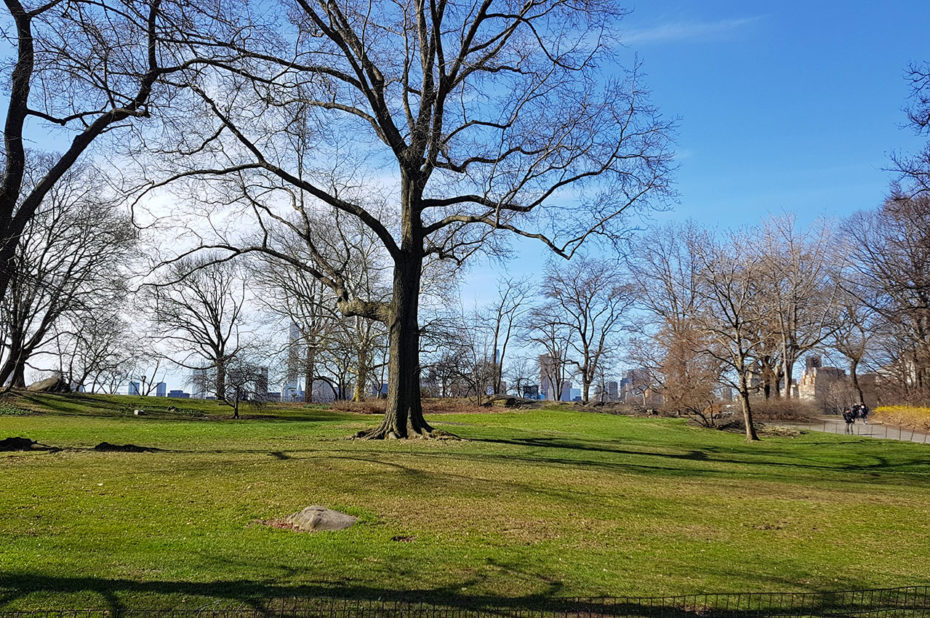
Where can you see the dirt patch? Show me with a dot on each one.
(106, 447)
(280, 524)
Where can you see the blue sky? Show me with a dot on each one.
(781, 106)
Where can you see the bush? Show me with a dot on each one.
(905, 416)
(784, 410)
(369, 406)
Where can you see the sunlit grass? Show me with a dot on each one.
(530, 505)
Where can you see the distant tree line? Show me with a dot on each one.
(322, 181)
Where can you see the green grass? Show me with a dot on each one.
(530, 506)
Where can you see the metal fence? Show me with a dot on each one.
(888, 602)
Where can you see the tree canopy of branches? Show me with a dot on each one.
(588, 299)
(673, 347)
(67, 267)
(731, 309)
(915, 169)
(795, 282)
(482, 117)
(892, 257)
(79, 69)
(200, 311)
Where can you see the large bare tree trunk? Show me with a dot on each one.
(853, 368)
(361, 376)
(19, 375)
(220, 378)
(789, 373)
(15, 359)
(403, 414)
(747, 409)
(309, 373)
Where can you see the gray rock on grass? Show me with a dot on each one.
(317, 518)
(49, 385)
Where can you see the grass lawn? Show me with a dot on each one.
(531, 505)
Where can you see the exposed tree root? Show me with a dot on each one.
(388, 433)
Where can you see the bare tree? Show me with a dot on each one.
(460, 361)
(854, 329)
(68, 263)
(84, 67)
(730, 310)
(890, 253)
(93, 348)
(200, 307)
(795, 281)
(301, 302)
(520, 374)
(915, 169)
(554, 339)
(505, 316)
(301, 299)
(672, 346)
(589, 299)
(486, 114)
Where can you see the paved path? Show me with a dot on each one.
(832, 424)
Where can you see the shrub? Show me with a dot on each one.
(784, 410)
(905, 416)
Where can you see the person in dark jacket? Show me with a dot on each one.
(864, 413)
(848, 417)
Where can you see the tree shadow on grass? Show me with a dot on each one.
(157, 408)
(877, 463)
(271, 598)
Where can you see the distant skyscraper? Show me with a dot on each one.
(134, 388)
(200, 382)
(161, 389)
(613, 392)
(261, 382)
(566, 390)
(548, 369)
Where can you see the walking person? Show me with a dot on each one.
(848, 417)
(864, 413)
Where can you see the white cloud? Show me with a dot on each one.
(677, 32)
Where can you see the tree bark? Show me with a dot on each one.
(853, 367)
(361, 376)
(220, 378)
(403, 415)
(789, 372)
(19, 375)
(309, 371)
(751, 434)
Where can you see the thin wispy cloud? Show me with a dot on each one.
(678, 32)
